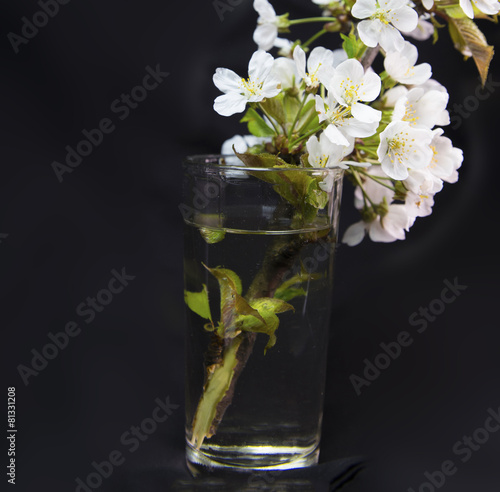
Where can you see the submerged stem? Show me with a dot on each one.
(221, 377)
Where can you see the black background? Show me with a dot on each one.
(119, 209)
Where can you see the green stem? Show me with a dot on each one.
(276, 129)
(213, 392)
(306, 136)
(312, 19)
(355, 174)
(297, 116)
(313, 38)
(378, 180)
(221, 377)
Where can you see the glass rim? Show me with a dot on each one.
(214, 161)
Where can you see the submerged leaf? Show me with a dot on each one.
(227, 279)
(298, 187)
(198, 302)
(288, 290)
(232, 304)
(268, 323)
(212, 236)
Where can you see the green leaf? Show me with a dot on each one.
(268, 308)
(232, 303)
(291, 185)
(316, 196)
(455, 12)
(353, 46)
(290, 293)
(198, 302)
(262, 160)
(256, 124)
(299, 188)
(212, 236)
(470, 41)
(227, 279)
(274, 107)
(288, 290)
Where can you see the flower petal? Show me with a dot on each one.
(319, 57)
(364, 8)
(229, 104)
(365, 113)
(260, 65)
(379, 235)
(226, 80)
(369, 32)
(335, 135)
(370, 86)
(265, 10)
(410, 52)
(354, 234)
(265, 35)
(467, 8)
(299, 56)
(405, 19)
(393, 168)
(390, 39)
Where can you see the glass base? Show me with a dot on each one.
(249, 458)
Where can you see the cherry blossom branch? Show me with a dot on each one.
(369, 57)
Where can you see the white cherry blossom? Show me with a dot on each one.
(419, 204)
(342, 127)
(490, 7)
(267, 25)
(446, 159)
(339, 55)
(400, 65)
(261, 84)
(323, 153)
(241, 143)
(402, 147)
(319, 59)
(422, 109)
(423, 31)
(386, 229)
(392, 96)
(433, 85)
(285, 70)
(284, 46)
(351, 84)
(384, 20)
(422, 182)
